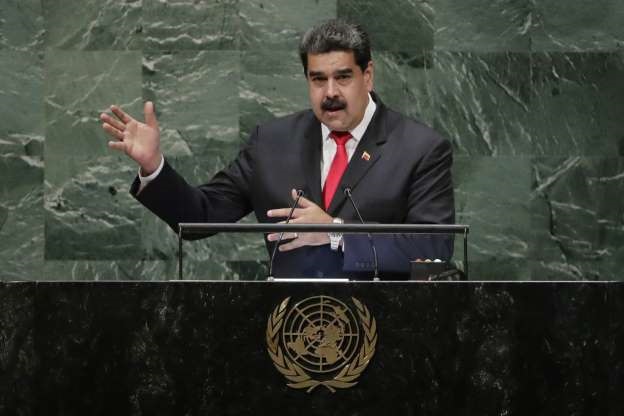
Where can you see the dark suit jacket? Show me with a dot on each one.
(406, 180)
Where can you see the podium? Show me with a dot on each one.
(200, 348)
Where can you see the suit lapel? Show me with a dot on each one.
(367, 153)
(311, 161)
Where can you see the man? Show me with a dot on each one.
(398, 169)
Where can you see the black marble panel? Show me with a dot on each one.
(18, 361)
(615, 294)
(562, 363)
(99, 350)
(199, 348)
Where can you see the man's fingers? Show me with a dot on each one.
(303, 206)
(291, 245)
(283, 212)
(115, 133)
(121, 146)
(303, 201)
(112, 121)
(150, 115)
(287, 236)
(306, 203)
(293, 194)
(121, 114)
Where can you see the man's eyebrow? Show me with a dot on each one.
(316, 74)
(345, 71)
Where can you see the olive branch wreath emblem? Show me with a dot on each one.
(299, 379)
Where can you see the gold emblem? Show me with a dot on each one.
(321, 342)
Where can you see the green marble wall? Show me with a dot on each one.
(529, 91)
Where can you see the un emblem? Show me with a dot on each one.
(319, 341)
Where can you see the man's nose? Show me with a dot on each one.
(332, 88)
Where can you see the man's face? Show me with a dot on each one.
(338, 89)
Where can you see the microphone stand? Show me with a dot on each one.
(347, 192)
(281, 236)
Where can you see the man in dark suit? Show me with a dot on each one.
(398, 169)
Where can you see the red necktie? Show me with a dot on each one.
(338, 166)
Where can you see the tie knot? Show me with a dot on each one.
(340, 137)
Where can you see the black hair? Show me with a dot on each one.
(336, 35)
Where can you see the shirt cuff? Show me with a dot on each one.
(144, 180)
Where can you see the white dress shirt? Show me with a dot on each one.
(329, 145)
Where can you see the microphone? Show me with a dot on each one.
(279, 240)
(347, 192)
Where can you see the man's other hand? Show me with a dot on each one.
(140, 141)
(307, 212)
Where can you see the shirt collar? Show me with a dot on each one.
(359, 130)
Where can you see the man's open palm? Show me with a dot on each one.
(140, 141)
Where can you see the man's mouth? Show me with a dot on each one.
(332, 112)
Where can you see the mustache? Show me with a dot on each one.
(333, 104)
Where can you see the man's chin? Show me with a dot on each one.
(334, 120)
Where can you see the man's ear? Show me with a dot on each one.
(369, 76)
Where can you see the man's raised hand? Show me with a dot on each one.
(140, 141)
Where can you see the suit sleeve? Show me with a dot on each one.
(226, 198)
(430, 201)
